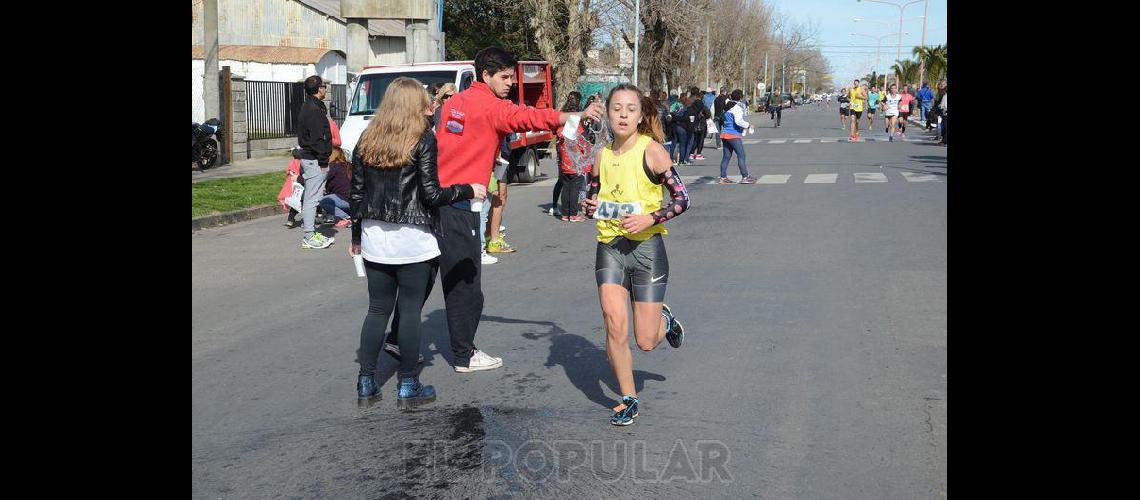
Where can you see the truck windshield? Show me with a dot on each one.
(370, 89)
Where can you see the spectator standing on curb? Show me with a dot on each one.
(942, 121)
(698, 113)
(442, 95)
(926, 99)
(718, 112)
(315, 138)
(679, 111)
(475, 123)
(394, 198)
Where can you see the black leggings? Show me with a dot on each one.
(699, 139)
(557, 192)
(413, 282)
(571, 186)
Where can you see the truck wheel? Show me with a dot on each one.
(527, 169)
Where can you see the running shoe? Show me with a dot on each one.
(499, 246)
(577, 218)
(317, 240)
(393, 350)
(343, 223)
(700, 156)
(748, 180)
(488, 259)
(692, 157)
(725, 180)
(674, 332)
(480, 361)
(625, 412)
(291, 224)
(890, 138)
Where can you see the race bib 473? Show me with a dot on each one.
(616, 209)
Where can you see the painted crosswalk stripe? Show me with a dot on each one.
(920, 177)
(861, 177)
(829, 140)
(801, 141)
(777, 141)
(821, 178)
(773, 179)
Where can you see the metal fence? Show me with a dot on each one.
(338, 108)
(272, 107)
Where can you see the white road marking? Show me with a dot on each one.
(801, 141)
(861, 177)
(773, 179)
(777, 141)
(920, 177)
(821, 178)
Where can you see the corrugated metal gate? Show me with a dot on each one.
(272, 107)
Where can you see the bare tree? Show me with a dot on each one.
(564, 31)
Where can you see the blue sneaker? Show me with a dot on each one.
(367, 393)
(411, 393)
(674, 332)
(625, 415)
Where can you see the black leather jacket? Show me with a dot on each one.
(405, 195)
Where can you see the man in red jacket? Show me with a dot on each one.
(474, 123)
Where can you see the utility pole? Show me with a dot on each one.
(922, 60)
(746, 80)
(708, 41)
(210, 88)
(636, 38)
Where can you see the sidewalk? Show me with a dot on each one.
(244, 168)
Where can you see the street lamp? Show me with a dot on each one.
(879, 41)
(901, 7)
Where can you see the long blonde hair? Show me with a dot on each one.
(397, 125)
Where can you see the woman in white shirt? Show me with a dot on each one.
(393, 202)
(891, 110)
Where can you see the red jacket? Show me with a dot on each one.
(475, 122)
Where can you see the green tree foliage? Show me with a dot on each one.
(472, 25)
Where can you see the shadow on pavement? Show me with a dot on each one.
(587, 367)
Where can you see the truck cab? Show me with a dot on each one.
(534, 88)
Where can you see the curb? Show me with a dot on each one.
(207, 221)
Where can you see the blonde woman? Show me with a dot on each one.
(441, 95)
(393, 201)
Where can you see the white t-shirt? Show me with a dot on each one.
(892, 104)
(390, 243)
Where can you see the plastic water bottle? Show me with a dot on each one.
(570, 129)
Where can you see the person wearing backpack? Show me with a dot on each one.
(697, 114)
(730, 135)
(679, 111)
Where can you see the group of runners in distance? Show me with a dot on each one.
(412, 214)
(856, 99)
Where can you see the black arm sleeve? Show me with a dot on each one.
(431, 193)
(680, 196)
(356, 196)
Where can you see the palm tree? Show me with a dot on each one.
(906, 72)
(935, 60)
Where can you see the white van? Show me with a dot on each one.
(527, 149)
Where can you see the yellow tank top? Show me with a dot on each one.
(856, 98)
(625, 189)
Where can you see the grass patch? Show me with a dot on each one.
(235, 193)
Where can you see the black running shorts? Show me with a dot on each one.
(640, 266)
(904, 114)
(843, 111)
(857, 114)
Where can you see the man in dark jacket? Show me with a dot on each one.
(718, 112)
(315, 139)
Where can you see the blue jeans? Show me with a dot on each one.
(333, 202)
(730, 146)
(682, 144)
(483, 218)
(926, 105)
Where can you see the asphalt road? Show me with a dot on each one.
(814, 364)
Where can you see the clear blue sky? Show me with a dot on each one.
(834, 19)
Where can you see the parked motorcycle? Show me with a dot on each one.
(205, 149)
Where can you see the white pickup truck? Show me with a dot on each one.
(534, 89)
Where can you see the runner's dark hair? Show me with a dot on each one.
(493, 60)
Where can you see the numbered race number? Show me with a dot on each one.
(608, 210)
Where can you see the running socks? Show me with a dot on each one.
(672, 181)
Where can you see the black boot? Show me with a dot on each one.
(367, 393)
(411, 393)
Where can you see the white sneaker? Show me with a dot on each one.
(480, 361)
(489, 259)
